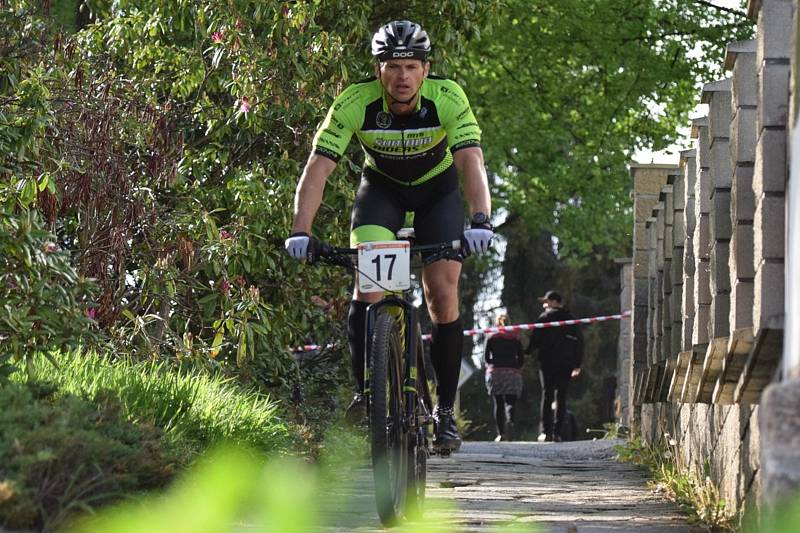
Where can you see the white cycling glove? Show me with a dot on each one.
(297, 245)
(477, 240)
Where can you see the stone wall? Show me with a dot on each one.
(707, 278)
(624, 361)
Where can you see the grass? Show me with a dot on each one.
(193, 409)
(90, 432)
(699, 498)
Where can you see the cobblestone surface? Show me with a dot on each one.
(572, 487)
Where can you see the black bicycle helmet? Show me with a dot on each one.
(400, 39)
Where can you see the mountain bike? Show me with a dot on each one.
(399, 405)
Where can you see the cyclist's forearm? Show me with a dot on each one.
(310, 189)
(469, 162)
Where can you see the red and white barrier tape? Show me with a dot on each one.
(541, 325)
(504, 329)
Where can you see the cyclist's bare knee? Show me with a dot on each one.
(440, 280)
(442, 300)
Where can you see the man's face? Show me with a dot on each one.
(550, 303)
(401, 78)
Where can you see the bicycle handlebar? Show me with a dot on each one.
(326, 251)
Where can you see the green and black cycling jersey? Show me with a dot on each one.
(407, 149)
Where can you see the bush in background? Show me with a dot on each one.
(46, 304)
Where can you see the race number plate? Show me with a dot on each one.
(384, 265)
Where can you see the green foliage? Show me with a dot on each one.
(45, 304)
(195, 410)
(61, 454)
(170, 137)
(319, 390)
(567, 90)
(91, 432)
(696, 494)
(781, 518)
(223, 488)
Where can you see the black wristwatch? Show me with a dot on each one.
(481, 220)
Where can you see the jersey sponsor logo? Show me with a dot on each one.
(407, 143)
(330, 154)
(383, 120)
(452, 96)
(465, 144)
(398, 157)
(343, 101)
(462, 114)
(323, 140)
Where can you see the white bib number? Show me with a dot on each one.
(384, 265)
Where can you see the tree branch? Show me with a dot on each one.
(721, 8)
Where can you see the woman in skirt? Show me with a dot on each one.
(503, 360)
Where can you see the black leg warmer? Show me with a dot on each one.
(356, 319)
(446, 346)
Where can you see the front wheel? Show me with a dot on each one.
(388, 438)
(419, 445)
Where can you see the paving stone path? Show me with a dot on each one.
(572, 487)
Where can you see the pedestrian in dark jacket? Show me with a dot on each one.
(503, 360)
(560, 355)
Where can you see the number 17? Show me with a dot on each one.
(377, 261)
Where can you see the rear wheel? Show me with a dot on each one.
(388, 438)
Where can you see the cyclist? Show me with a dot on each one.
(419, 135)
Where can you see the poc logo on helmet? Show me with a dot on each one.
(402, 54)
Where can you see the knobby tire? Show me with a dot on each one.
(418, 441)
(388, 441)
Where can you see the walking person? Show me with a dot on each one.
(560, 351)
(422, 145)
(503, 360)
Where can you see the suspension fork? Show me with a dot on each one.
(407, 315)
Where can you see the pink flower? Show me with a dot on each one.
(50, 247)
(224, 286)
(217, 36)
(244, 105)
(225, 234)
(91, 313)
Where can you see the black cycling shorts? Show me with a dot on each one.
(381, 205)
